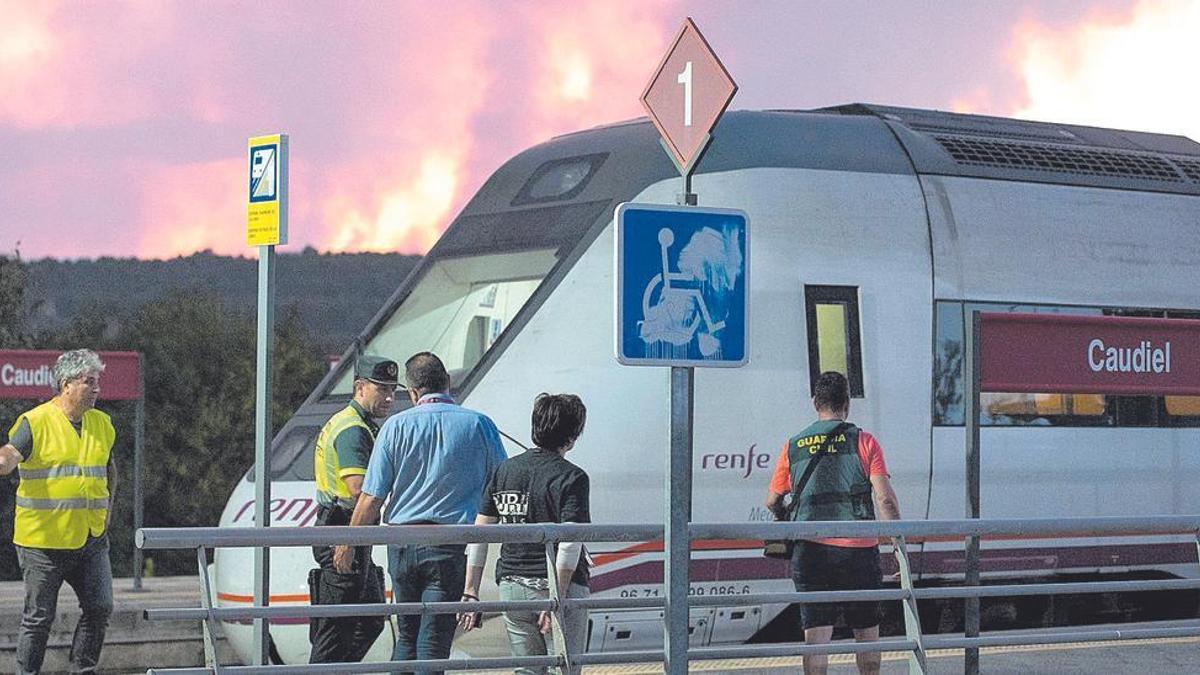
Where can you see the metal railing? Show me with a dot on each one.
(548, 534)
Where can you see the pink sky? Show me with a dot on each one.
(123, 125)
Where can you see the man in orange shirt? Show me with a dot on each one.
(834, 471)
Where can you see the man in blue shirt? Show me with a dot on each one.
(433, 460)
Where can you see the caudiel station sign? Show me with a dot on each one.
(13, 376)
(1056, 353)
(1144, 358)
(28, 374)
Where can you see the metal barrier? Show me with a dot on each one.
(548, 534)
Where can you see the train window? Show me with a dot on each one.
(458, 309)
(1182, 410)
(1017, 409)
(833, 334)
(559, 179)
(292, 457)
(1183, 406)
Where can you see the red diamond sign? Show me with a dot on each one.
(687, 95)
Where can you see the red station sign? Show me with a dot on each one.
(687, 95)
(25, 374)
(1055, 353)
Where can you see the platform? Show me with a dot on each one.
(135, 644)
(132, 642)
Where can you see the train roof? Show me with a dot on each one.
(861, 137)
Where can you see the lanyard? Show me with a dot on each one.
(434, 399)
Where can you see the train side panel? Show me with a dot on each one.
(864, 231)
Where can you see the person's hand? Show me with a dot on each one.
(469, 620)
(343, 558)
(544, 624)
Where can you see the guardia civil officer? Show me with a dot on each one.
(834, 471)
(341, 457)
(64, 449)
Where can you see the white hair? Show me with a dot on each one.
(75, 364)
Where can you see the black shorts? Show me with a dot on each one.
(820, 567)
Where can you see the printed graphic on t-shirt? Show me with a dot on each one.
(512, 505)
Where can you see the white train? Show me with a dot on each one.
(873, 228)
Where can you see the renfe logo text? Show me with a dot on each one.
(745, 461)
(1144, 358)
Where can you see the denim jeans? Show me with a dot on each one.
(88, 571)
(426, 574)
(524, 636)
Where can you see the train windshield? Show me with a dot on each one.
(458, 308)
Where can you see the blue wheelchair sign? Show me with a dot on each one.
(681, 277)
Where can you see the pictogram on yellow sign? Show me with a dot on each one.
(266, 209)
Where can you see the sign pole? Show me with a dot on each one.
(266, 227)
(677, 542)
(139, 439)
(679, 514)
(262, 441)
(971, 370)
(684, 121)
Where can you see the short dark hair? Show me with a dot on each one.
(425, 374)
(558, 419)
(831, 392)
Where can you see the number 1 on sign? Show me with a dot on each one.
(685, 78)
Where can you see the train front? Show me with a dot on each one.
(479, 285)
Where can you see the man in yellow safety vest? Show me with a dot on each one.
(64, 449)
(340, 463)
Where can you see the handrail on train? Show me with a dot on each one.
(897, 531)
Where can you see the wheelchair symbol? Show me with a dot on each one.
(674, 309)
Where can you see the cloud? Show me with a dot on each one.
(406, 216)
(192, 207)
(397, 112)
(1129, 71)
(592, 61)
(517, 75)
(71, 65)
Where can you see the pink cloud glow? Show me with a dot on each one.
(123, 125)
(396, 112)
(1126, 70)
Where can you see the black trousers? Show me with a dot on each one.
(343, 640)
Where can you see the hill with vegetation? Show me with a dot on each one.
(334, 294)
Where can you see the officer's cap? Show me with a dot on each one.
(376, 369)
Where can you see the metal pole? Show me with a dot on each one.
(208, 626)
(912, 618)
(971, 370)
(687, 197)
(139, 439)
(679, 513)
(262, 443)
(556, 614)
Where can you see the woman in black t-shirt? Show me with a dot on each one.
(538, 486)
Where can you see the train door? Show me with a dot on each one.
(861, 331)
(862, 283)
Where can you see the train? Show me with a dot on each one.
(875, 231)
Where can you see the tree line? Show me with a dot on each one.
(336, 293)
(198, 359)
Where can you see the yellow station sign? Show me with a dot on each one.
(266, 208)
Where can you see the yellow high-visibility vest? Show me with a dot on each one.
(63, 493)
(327, 469)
